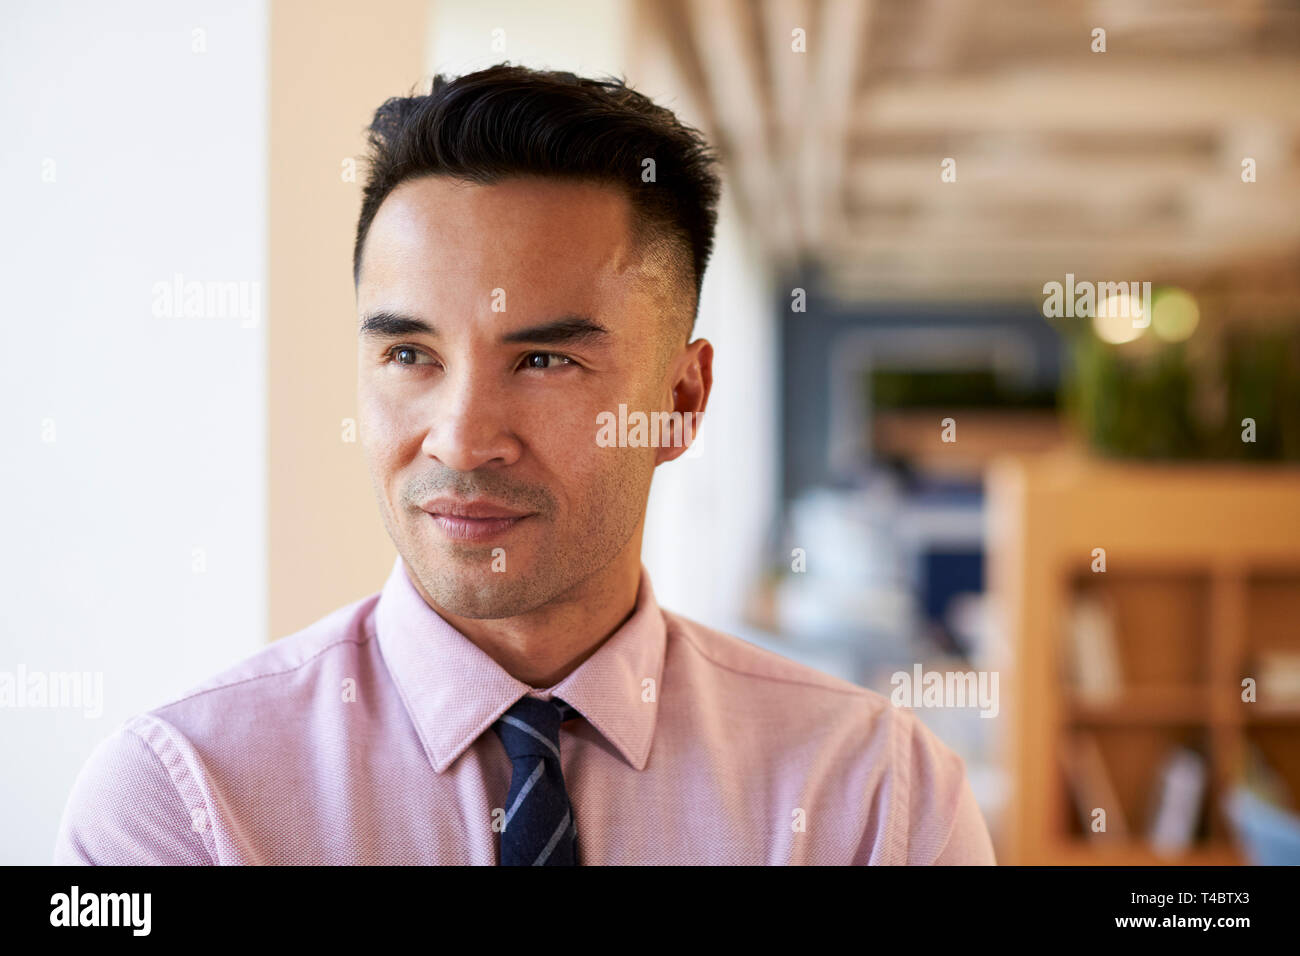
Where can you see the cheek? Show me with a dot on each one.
(388, 431)
(607, 486)
(594, 468)
(561, 435)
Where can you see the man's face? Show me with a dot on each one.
(492, 407)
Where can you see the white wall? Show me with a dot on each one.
(157, 423)
(588, 37)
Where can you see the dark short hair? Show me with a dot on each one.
(513, 121)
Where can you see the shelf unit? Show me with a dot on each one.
(1203, 573)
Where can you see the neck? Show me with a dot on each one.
(546, 645)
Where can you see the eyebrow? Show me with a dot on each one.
(566, 330)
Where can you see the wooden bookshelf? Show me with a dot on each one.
(1202, 577)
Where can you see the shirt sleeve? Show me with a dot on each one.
(924, 812)
(945, 823)
(126, 810)
(968, 843)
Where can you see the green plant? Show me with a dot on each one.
(1153, 401)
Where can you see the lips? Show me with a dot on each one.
(472, 520)
(475, 529)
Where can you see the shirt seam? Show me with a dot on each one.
(906, 771)
(951, 830)
(210, 851)
(280, 673)
(915, 723)
(952, 821)
(848, 692)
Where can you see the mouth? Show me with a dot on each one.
(473, 521)
(460, 528)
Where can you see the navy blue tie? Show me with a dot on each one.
(540, 829)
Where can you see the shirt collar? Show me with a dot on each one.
(454, 691)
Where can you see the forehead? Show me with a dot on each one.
(539, 239)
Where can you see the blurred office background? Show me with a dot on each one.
(910, 461)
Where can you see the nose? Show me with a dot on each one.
(470, 426)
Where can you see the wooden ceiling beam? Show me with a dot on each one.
(1111, 101)
(725, 39)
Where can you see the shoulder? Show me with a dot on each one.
(281, 685)
(139, 796)
(804, 707)
(127, 808)
(746, 682)
(334, 637)
(725, 654)
(919, 807)
(937, 811)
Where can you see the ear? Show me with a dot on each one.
(692, 381)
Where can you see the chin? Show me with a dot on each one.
(483, 604)
(467, 587)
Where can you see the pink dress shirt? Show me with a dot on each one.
(366, 739)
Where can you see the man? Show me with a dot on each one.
(528, 259)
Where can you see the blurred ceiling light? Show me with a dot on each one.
(1174, 315)
(1113, 320)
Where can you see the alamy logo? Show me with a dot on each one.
(63, 689)
(656, 429)
(200, 299)
(1087, 300)
(102, 909)
(946, 689)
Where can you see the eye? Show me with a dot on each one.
(531, 360)
(405, 355)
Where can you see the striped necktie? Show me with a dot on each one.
(540, 829)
